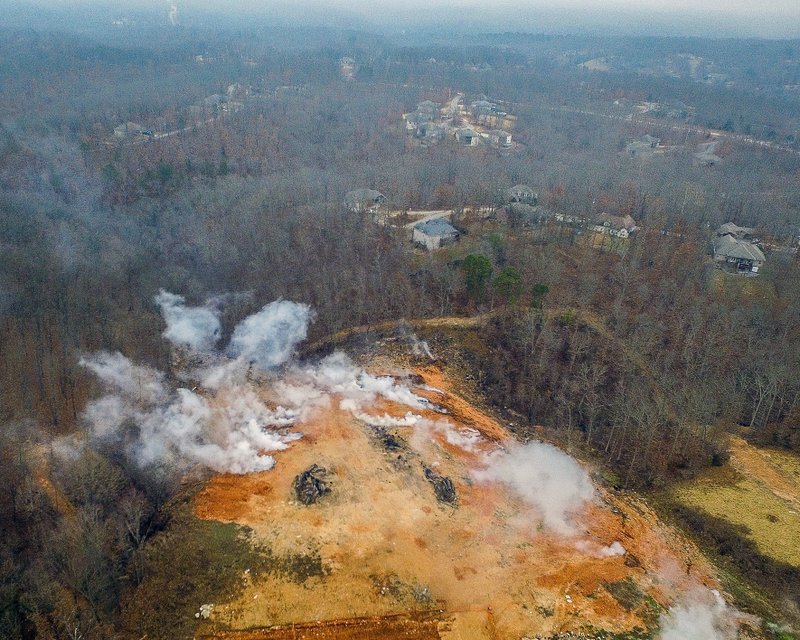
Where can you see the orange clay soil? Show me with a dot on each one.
(396, 558)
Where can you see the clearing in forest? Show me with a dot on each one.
(407, 540)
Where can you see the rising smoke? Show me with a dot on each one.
(196, 328)
(230, 431)
(547, 479)
(173, 13)
(701, 615)
(224, 423)
(268, 338)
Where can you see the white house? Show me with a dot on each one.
(130, 129)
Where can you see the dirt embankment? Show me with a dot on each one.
(395, 561)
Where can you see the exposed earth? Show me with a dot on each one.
(388, 559)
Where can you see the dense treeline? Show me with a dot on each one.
(649, 361)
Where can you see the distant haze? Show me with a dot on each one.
(773, 19)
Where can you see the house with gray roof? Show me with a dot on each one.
(522, 193)
(131, 129)
(430, 131)
(732, 229)
(468, 137)
(482, 107)
(705, 156)
(435, 233)
(738, 254)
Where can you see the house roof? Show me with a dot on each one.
(708, 158)
(731, 247)
(731, 228)
(522, 188)
(617, 222)
(436, 227)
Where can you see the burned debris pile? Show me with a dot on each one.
(442, 486)
(309, 486)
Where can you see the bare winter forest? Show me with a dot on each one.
(169, 189)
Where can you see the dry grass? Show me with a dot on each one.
(762, 495)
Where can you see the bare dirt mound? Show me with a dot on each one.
(396, 560)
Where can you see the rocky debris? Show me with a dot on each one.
(388, 440)
(310, 486)
(442, 486)
(632, 561)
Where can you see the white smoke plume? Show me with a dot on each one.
(173, 13)
(230, 432)
(269, 338)
(130, 381)
(702, 615)
(197, 328)
(599, 551)
(546, 478)
(226, 426)
(465, 438)
(337, 374)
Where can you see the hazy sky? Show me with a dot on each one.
(768, 18)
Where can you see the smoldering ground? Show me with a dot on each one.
(249, 397)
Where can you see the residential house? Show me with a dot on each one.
(497, 120)
(619, 226)
(364, 200)
(520, 214)
(741, 255)
(731, 229)
(498, 137)
(643, 147)
(705, 156)
(414, 120)
(468, 137)
(482, 108)
(430, 131)
(522, 193)
(434, 233)
(567, 218)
